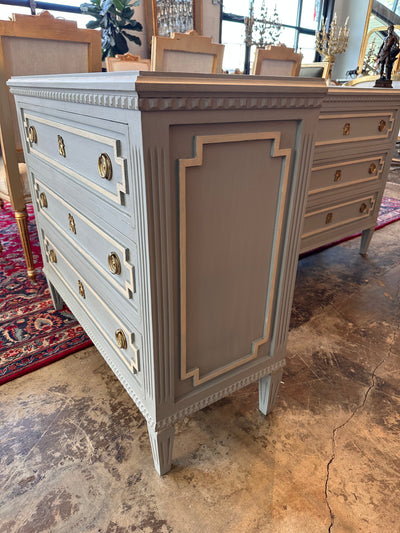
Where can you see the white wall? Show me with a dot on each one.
(211, 14)
(356, 10)
(139, 16)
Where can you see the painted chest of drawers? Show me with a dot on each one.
(355, 140)
(169, 210)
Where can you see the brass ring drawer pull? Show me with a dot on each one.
(114, 264)
(61, 146)
(81, 289)
(346, 129)
(372, 168)
(52, 256)
(71, 223)
(338, 175)
(382, 125)
(32, 134)
(120, 339)
(363, 207)
(43, 199)
(104, 166)
(329, 218)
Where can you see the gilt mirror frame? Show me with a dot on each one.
(366, 37)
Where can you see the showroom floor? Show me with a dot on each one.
(75, 455)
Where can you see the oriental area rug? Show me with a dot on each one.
(32, 333)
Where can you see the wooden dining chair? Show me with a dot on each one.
(318, 69)
(128, 61)
(277, 61)
(186, 52)
(35, 44)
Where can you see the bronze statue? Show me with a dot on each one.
(388, 53)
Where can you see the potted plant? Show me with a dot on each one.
(114, 17)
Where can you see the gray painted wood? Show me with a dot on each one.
(204, 208)
(268, 388)
(356, 134)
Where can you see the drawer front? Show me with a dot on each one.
(325, 219)
(125, 341)
(344, 173)
(346, 128)
(114, 260)
(96, 208)
(90, 153)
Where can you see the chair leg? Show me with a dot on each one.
(22, 223)
(1, 203)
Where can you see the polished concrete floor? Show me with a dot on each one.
(75, 455)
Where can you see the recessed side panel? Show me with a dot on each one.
(232, 196)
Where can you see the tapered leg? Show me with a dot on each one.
(268, 391)
(161, 445)
(58, 302)
(1, 203)
(366, 237)
(22, 222)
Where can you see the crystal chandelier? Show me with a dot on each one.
(174, 16)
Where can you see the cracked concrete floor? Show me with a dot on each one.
(75, 455)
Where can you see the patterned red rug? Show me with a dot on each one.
(32, 333)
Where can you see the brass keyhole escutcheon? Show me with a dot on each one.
(329, 218)
(346, 129)
(372, 168)
(104, 166)
(71, 223)
(81, 289)
(43, 199)
(114, 263)
(32, 134)
(52, 256)
(121, 339)
(338, 175)
(382, 125)
(363, 207)
(61, 146)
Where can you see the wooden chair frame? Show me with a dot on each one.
(190, 42)
(325, 65)
(127, 61)
(43, 27)
(277, 53)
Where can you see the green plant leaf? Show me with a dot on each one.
(134, 25)
(133, 38)
(127, 13)
(86, 6)
(105, 6)
(121, 43)
(90, 10)
(93, 24)
(119, 4)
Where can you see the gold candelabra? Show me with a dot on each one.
(263, 30)
(369, 65)
(333, 41)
